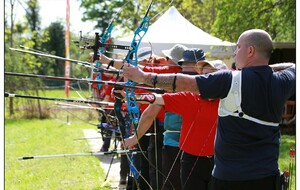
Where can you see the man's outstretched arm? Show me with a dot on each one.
(170, 82)
(146, 120)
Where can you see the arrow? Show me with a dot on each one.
(58, 99)
(82, 63)
(116, 84)
(79, 154)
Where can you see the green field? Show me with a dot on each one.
(48, 137)
(32, 137)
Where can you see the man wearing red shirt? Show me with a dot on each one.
(199, 121)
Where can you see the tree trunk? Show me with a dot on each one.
(11, 101)
(39, 105)
(11, 107)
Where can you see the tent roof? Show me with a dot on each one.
(172, 28)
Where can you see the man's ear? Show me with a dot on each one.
(251, 51)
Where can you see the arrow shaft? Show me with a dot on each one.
(78, 154)
(82, 63)
(58, 99)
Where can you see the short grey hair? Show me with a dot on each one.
(261, 40)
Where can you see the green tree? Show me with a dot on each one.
(200, 13)
(102, 11)
(14, 62)
(78, 54)
(54, 44)
(275, 16)
(225, 19)
(55, 33)
(127, 14)
(33, 21)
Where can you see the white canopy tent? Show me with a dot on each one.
(172, 28)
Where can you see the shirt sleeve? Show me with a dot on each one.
(288, 76)
(214, 85)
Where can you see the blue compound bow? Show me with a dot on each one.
(132, 107)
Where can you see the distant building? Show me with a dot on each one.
(283, 52)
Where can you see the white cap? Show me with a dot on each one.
(217, 64)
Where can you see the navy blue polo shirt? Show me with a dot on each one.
(245, 150)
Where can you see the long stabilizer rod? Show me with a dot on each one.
(82, 63)
(58, 99)
(79, 154)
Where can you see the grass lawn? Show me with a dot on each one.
(43, 137)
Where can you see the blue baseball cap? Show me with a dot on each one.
(192, 55)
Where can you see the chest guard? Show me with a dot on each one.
(231, 105)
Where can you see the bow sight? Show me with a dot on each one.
(96, 44)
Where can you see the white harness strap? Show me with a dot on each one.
(231, 105)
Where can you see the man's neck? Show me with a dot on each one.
(257, 62)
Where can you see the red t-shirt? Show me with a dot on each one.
(199, 121)
(161, 114)
(161, 69)
(104, 77)
(104, 91)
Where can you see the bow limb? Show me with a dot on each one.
(105, 37)
(123, 127)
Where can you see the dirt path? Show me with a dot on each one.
(113, 175)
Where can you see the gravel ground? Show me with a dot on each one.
(113, 175)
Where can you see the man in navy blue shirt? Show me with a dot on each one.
(252, 101)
